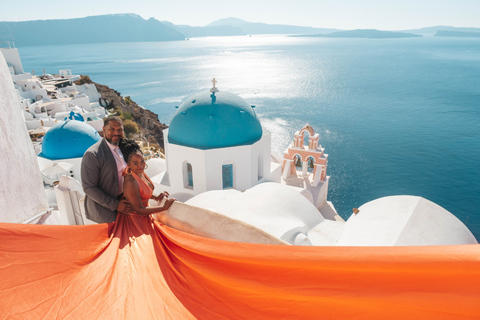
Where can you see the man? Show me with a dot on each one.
(102, 180)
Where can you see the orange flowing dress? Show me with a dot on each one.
(137, 268)
(145, 190)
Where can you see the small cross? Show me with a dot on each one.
(214, 89)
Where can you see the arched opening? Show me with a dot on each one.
(187, 175)
(310, 164)
(227, 175)
(307, 139)
(297, 160)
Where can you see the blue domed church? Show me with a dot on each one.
(215, 141)
(69, 139)
(65, 142)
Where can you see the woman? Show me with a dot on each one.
(137, 186)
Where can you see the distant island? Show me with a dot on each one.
(363, 33)
(237, 27)
(133, 28)
(457, 34)
(431, 31)
(95, 29)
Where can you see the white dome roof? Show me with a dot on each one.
(276, 209)
(404, 221)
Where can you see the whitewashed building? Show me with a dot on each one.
(215, 141)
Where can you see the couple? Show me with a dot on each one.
(113, 177)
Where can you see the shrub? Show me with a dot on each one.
(127, 115)
(130, 127)
(83, 80)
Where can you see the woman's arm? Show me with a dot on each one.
(132, 193)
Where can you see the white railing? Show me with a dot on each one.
(38, 216)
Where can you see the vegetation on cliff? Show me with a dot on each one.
(139, 123)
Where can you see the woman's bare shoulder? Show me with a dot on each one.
(129, 180)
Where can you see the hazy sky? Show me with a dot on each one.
(342, 14)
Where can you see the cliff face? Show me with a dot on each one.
(149, 126)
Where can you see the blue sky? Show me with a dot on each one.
(342, 14)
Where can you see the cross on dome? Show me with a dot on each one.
(214, 89)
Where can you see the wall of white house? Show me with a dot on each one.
(12, 57)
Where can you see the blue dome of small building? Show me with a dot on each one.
(214, 120)
(74, 116)
(68, 140)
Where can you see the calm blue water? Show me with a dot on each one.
(398, 116)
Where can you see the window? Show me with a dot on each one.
(187, 175)
(227, 176)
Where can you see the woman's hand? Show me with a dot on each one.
(168, 203)
(160, 196)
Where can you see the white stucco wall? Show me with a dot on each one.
(76, 169)
(207, 166)
(31, 89)
(21, 188)
(13, 57)
(90, 90)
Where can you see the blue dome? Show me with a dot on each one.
(74, 116)
(68, 140)
(214, 120)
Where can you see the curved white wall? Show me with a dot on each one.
(21, 188)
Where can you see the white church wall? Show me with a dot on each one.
(21, 188)
(207, 166)
(260, 160)
(275, 173)
(239, 157)
(176, 157)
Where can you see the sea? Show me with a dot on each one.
(395, 116)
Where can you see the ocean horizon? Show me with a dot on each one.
(395, 116)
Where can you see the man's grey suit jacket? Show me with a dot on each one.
(100, 183)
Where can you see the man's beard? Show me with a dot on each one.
(113, 143)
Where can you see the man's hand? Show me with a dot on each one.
(124, 207)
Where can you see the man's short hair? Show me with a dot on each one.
(107, 120)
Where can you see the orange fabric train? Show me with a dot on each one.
(137, 269)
